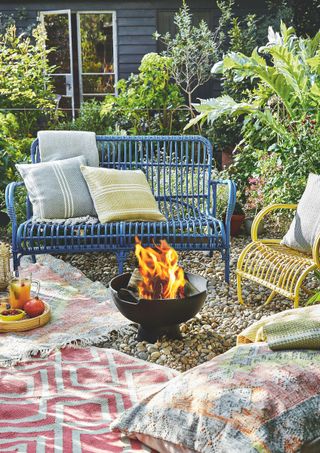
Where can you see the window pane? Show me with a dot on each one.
(65, 103)
(96, 42)
(57, 28)
(93, 84)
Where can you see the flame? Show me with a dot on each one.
(162, 277)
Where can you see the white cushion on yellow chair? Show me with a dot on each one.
(305, 226)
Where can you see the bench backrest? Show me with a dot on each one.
(178, 168)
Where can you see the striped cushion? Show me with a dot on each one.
(57, 189)
(121, 195)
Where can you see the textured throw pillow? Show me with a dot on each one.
(306, 224)
(249, 399)
(57, 190)
(56, 145)
(121, 195)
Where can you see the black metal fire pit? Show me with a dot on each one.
(159, 317)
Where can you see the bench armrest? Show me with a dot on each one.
(231, 200)
(10, 201)
(260, 216)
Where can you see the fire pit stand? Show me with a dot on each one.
(158, 317)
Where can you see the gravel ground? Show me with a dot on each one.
(213, 330)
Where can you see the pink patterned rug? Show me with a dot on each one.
(67, 401)
(82, 313)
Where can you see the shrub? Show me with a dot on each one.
(225, 132)
(25, 85)
(148, 102)
(13, 150)
(89, 119)
(281, 133)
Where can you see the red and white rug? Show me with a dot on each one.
(66, 402)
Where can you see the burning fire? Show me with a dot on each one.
(162, 277)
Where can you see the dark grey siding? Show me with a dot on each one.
(136, 21)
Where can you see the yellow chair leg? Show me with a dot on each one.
(296, 299)
(271, 296)
(239, 290)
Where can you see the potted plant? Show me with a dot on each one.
(237, 220)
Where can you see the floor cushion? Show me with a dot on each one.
(248, 400)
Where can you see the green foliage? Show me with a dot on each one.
(24, 83)
(280, 133)
(225, 132)
(89, 119)
(148, 102)
(13, 149)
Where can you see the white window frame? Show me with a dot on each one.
(115, 52)
(57, 12)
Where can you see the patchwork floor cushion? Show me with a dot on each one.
(67, 401)
(248, 400)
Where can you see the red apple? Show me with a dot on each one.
(34, 307)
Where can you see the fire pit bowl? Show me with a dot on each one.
(157, 317)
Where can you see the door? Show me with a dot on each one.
(59, 37)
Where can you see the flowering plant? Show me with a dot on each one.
(254, 195)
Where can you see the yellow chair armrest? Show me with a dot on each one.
(260, 216)
(315, 251)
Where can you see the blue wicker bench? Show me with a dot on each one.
(178, 169)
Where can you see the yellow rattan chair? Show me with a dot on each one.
(275, 266)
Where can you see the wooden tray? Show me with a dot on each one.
(24, 324)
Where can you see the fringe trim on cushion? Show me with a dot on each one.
(81, 341)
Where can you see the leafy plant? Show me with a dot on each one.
(148, 102)
(287, 73)
(88, 119)
(281, 133)
(24, 82)
(225, 132)
(12, 151)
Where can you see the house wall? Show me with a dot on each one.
(136, 21)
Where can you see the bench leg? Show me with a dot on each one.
(227, 267)
(16, 261)
(34, 259)
(121, 258)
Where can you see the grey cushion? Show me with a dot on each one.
(57, 190)
(55, 145)
(305, 226)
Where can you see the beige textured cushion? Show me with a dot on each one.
(121, 195)
(305, 226)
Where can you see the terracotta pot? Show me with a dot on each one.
(236, 223)
(226, 159)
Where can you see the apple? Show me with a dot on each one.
(34, 307)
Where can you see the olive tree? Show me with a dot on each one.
(194, 49)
